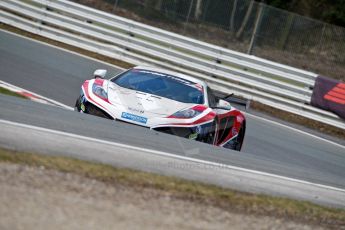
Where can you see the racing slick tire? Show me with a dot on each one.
(239, 139)
(90, 109)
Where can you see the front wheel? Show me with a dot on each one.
(240, 138)
(81, 105)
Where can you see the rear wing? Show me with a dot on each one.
(236, 100)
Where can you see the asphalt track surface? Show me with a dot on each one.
(57, 74)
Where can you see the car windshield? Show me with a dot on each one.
(162, 85)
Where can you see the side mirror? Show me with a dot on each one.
(100, 73)
(222, 104)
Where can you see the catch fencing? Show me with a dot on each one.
(245, 26)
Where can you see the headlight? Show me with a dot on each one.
(99, 91)
(187, 113)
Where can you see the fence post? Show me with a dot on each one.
(257, 25)
(115, 5)
(189, 12)
(232, 17)
(321, 41)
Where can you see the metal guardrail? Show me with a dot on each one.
(254, 78)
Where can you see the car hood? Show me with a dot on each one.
(143, 103)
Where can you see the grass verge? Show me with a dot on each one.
(289, 117)
(10, 93)
(260, 205)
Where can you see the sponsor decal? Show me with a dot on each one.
(136, 110)
(239, 118)
(198, 87)
(134, 117)
(193, 136)
(178, 79)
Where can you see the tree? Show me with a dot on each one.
(331, 11)
(156, 4)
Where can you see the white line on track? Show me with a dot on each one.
(165, 154)
(294, 129)
(34, 96)
(248, 114)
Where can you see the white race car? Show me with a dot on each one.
(164, 101)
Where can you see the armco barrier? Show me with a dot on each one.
(270, 83)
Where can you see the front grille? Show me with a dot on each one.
(177, 131)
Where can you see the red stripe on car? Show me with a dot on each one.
(85, 86)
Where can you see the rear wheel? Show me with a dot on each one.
(236, 143)
(239, 139)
